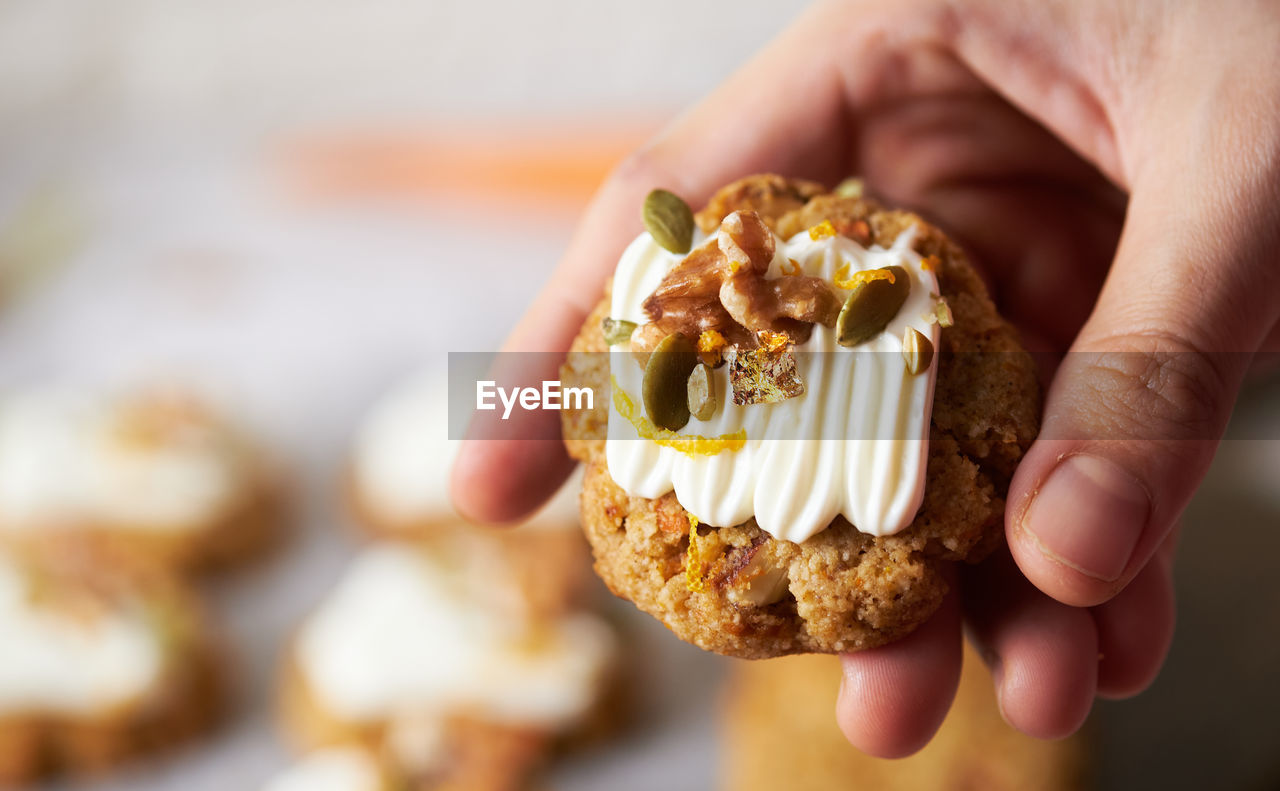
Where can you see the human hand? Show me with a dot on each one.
(1114, 169)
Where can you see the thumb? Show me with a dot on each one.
(1134, 413)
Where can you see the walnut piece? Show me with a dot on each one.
(721, 286)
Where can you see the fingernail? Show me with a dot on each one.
(1089, 515)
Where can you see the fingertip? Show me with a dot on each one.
(1043, 654)
(504, 481)
(1074, 523)
(893, 699)
(1135, 630)
(1045, 685)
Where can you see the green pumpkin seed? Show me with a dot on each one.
(702, 392)
(665, 388)
(871, 307)
(849, 188)
(669, 221)
(617, 330)
(917, 350)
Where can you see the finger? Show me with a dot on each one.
(1135, 630)
(1135, 411)
(893, 698)
(727, 136)
(1043, 654)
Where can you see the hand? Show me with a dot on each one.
(1114, 169)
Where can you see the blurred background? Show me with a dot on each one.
(289, 206)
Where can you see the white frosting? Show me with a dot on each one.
(331, 769)
(67, 461)
(407, 632)
(56, 662)
(403, 455)
(855, 443)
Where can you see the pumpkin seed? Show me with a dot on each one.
(617, 330)
(665, 388)
(917, 350)
(669, 220)
(702, 392)
(849, 188)
(871, 307)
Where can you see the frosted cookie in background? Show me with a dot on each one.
(336, 769)
(154, 475)
(399, 489)
(100, 663)
(401, 458)
(423, 655)
(779, 731)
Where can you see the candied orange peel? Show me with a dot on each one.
(688, 444)
(773, 341)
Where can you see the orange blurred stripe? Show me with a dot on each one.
(509, 162)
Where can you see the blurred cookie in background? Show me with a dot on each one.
(155, 475)
(347, 768)
(429, 655)
(401, 458)
(100, 663)
(398, 489)
(779, 731)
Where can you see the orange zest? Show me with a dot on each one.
(688, 444)
(711, 341)
(843, 280)
(792, 268)
(695, 560)
(822, 230)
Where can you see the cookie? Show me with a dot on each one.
(157, 477)
(429, 657)
(779, 731)
(339, 768)
(100, 665)
(769, 565)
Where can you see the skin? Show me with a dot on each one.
(1113, 168)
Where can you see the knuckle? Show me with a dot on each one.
(1160, 385)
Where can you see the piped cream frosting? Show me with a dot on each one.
(67, 460)
(407, 631)
(854, 444)
(58, 662)
(402, 457)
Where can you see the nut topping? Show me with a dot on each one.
(669, 220)
(617, 330)
(917, 351)
(665, 386)
(702, 392)
(871, 307)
